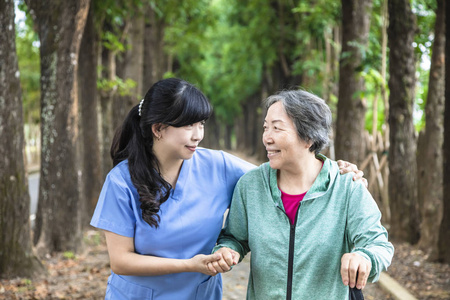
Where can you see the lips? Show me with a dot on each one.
(271, 153)
(192, 148)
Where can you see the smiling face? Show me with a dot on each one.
(283, 145)
(180, 142)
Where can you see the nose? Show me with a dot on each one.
(267, 137)
(198, 132)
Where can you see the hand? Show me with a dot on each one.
(229, 258)
(346, 167)
(352, 265)
(199, 263)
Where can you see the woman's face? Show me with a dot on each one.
(283, 145)
(181, 142)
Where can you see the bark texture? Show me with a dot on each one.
(402, 153)
(444, 232)
(130, 66)
(155, 60)
(60, 25)
(429, 150)
(106, 104)
(16, 255)
(351, 108)
(91, 167)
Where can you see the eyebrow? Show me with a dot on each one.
(275, 121)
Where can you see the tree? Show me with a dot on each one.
(87, 77)
(429, 148)
(351, 111)
(402, 152)
(130, 67)
(60, 25)
(16, 255)
(444, 232)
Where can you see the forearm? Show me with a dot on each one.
(144, 265)
(125, 261)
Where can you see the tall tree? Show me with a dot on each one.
(350, 126)
(402, 153)
(16, 255)
(155, 60)
(87, 78)
(130, 67)
(429, 148)
(444, 232)
(60, 25)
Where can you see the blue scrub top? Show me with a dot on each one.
(191, 220)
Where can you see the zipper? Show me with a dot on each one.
(291, 253)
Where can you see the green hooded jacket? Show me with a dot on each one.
(302, 261)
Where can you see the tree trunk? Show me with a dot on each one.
(444, 232)
(60, 25)
(402, 152)
(91, 167)
(212, 134)
(351, 108)
(106, 102)
(155, 60)
(429, 154)
(16, 255)
(130, 67)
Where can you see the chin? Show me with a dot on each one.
(274, 165)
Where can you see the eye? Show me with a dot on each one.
(264, 127)
(203, 123)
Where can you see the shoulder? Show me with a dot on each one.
(255, 174)
(120, 174)
(219, 157)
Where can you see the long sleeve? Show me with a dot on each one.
(365, 232)
(235, 233)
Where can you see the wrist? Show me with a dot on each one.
(187, 265)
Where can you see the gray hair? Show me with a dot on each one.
(310, 114)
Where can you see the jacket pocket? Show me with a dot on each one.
(210, 289)
(120, 289)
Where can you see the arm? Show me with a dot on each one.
(235, 233)
(125, 261)
(372, 252)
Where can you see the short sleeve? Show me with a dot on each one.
(115, 209)
(234, 169)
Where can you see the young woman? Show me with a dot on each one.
(162, 204)
(312, 232)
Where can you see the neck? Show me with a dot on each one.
(169, 167)
(300, 176)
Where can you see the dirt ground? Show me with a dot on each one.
(84, 276)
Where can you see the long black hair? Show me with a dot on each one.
(172, 102)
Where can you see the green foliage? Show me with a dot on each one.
(69, 255)
(122, 87)
(229, 47)
(27, 47)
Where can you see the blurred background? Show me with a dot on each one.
(71, 71)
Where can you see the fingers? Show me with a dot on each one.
(355, 270)
(363, 274)
(358, 175)
(228, 258)
(346, 167)
(345, 262)
(364, 181)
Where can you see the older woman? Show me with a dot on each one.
(312, 233)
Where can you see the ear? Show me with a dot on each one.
(156, 129)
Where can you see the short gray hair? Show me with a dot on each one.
(310, 114)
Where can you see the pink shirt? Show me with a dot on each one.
(291, 203)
